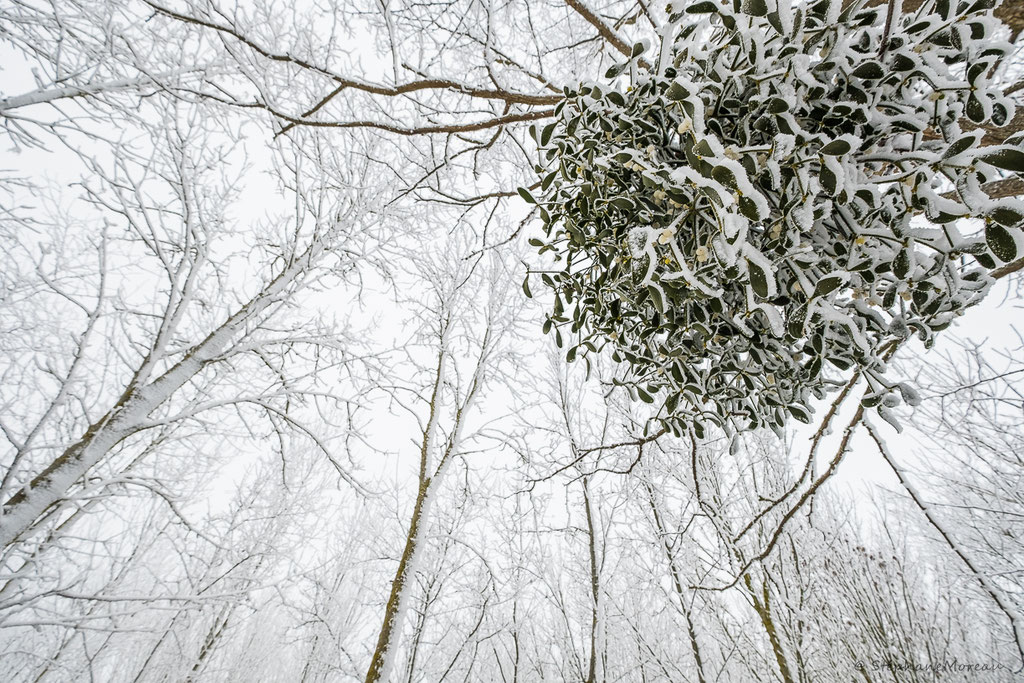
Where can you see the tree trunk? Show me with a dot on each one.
(763, 609)
(383, 654)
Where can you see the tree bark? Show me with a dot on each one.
(763, 608)
(382, 654)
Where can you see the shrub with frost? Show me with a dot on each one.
(775, 199)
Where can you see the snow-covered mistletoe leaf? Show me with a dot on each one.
(800, 413)
(758, 279)
(889, 416)
(1005, 215)
(828, 285)
(836, 148)
(1001, 242)
(870, 70)
(705, 7)
(1007, 158)
(755, 8)
(614, 70)
(901, 266)
(656, 298)
(677, 92)
(960, 146)
(545, 135)
(725, 176)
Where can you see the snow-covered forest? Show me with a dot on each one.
(518, 341)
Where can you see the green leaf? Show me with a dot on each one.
(777, 105)
(836, 148)
(1008, 159)
(1001, 242)
(638, 49)
(975, 70)
(818, 342)
(758, 279)
(676, 373)
(703, 148)
(548, 179)
(755, 8)
(889, 298)
(975, 110)
(614, 71)
(725, 176)
(919, 27)
(545, 135)
(985, 260)
(828, 179)
(902, 63)
(525, 194)
(840, 363)
(1004, 215)
(866, 196)
(800, 413)
(901, 266)
(872, 400)
(796, 322)
(959, 147)
(656, 298)
(827, 285)
(703, 8)
(870, 70)
(677, 92)
(526, 287)
(748, 207)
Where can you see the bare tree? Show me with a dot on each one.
(152, 345)
(465, 345)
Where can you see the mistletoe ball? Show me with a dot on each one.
(777, 197)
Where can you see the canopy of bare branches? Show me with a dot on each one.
(287, 392)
